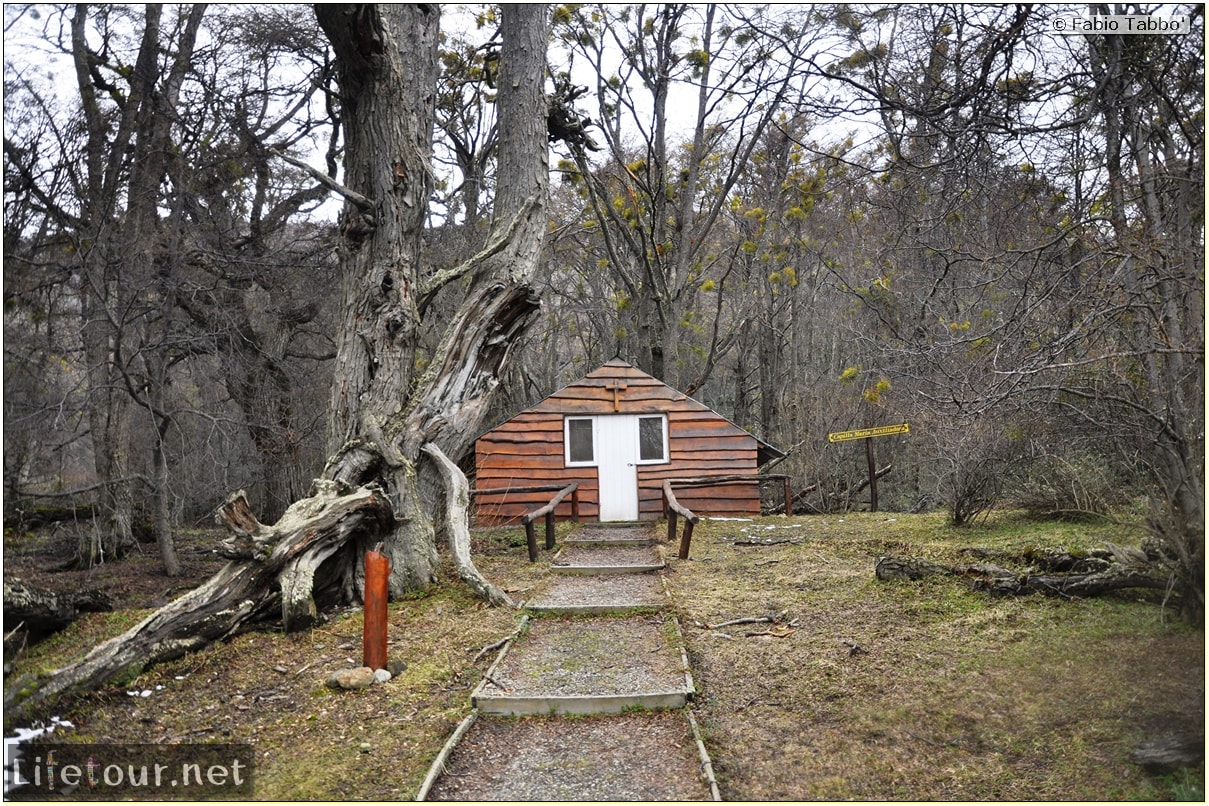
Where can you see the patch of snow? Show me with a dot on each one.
(12, 748)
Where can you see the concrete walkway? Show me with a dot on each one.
(589, 701)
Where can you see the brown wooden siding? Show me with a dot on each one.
(528, 450)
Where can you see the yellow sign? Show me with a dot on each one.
(864, 433)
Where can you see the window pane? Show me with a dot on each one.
(579, 433)
(650, 439)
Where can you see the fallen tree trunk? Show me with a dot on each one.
(38, 612)
(907, 568)
(1116, 577)
(265, 561)
(1002, 581)
(1167, 754)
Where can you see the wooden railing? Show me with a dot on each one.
(546, 511)
(673, 508)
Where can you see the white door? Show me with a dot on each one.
(616, 460)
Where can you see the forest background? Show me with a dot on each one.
(811, 218)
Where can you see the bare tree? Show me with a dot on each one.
(169, 231)
(656, 202)
(394, 424)
(1048, 221)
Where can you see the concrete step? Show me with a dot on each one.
(599, 594)
(589, 666)
(652, 757)
(607, 560)
(630, 534)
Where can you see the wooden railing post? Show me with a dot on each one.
(530, 539)
(687, 540)
(666, 494)
(675, 508)
(572, 490)
(788, 497)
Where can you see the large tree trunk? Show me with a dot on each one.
(387, 399)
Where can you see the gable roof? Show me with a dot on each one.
(618, 386)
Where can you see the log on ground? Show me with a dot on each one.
(1115, 577)
(38, 612)
(1166, 754)
(1001, 581)
(246, 590)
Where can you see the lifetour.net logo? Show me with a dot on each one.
(127, 771)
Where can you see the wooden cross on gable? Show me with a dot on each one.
(616, 387)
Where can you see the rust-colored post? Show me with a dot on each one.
(531, 540)
(373, 637)
(550, 529)
(687, 540)
(575, 505)
(788, 497)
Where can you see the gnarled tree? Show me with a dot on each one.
(396, 414)
(388, 400)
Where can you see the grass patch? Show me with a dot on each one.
(948, 694)
(953, 695)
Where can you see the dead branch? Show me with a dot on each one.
(353, 196)
(497, 644)
(754, 542)
(748, 620)
(778, 632)
(733, 622)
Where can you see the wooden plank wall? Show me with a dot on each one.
(528, 450)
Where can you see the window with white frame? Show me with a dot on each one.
(579, 441)
(652, 439)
